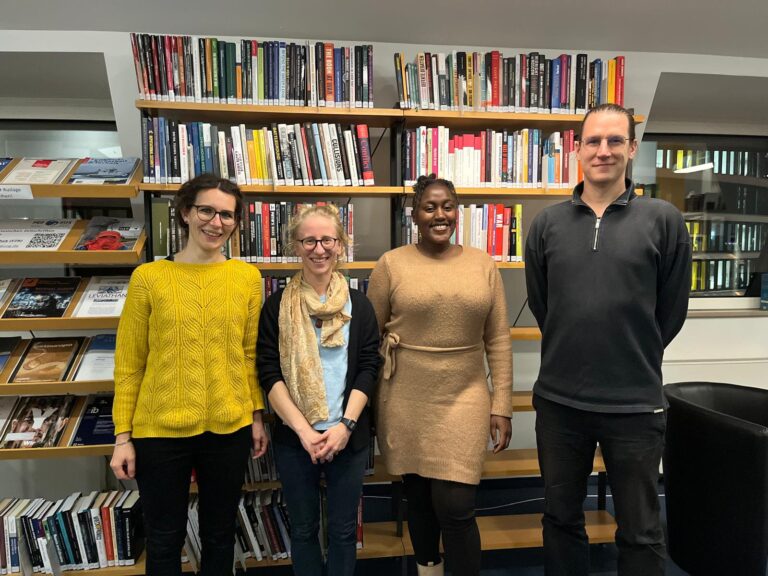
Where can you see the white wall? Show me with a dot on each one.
(734, 350)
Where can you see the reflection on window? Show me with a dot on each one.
(721, 186)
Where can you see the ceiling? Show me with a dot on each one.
(733, 28)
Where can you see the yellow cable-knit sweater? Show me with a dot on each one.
(185, 361)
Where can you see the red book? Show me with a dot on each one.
(310, 176)
(330, 99)
(137, 65)
(620, 80)
(504, 163)
(266, 245)
(156, 65)
(495, 87)
(365, 154)
(490, 235)
(498, 231)
(168, 63)
(478, 143)
(435, 150)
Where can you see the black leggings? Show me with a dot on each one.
(436, 506)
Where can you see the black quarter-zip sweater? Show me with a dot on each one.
(609, 294)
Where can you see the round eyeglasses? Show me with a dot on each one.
(327, 242)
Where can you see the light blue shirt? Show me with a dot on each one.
(334, 361)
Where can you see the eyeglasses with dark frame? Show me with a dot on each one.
(614, 142)
(327, 242)
(208, 213)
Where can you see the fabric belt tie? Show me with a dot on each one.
(391, 343)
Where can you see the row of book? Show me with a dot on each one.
(727, 162)
(68, 296)
(529, 83)
(726, 236)
(721, 274)
(100, 233)
(312, 153)
(271, 72)
(60, 171)
(520, 158)
(262, 233)
(57, 359)
(493, 228)
(272, 284)
(80, 532)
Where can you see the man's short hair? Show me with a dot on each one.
(615, 108)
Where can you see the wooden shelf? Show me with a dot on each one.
(472, 119)
(66, 254)
(68, 387)
(510, 264)
(57, 452)
(488, 192)
(237, 113)
(68, 323)
(374, 191)
(522, 462)
(725, 255)
(522, 401)
(95, 191)
(524, 531)
(524, 333)
(361, 265)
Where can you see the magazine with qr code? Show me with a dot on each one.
(34, 234)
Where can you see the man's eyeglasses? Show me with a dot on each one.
(327, 242)
(208, 213)
(614, 142)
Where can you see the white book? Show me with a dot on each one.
(98, 529)
(246, 154)
(330, 164)
(273, 161)
(336, 151)
(34, 234)
(183, 150)
(223, 169)
(103, 296)
(285, 153)
(237, 156)
(248, 529)
(352, 157)
(39, 171)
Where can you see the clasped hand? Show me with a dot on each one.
(323, 447)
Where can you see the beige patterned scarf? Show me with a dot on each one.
(299, 354)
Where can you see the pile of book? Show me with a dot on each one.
(721, 161)
(261, 236)
(60, 171)
(271, 284)
(69, 296)
(48, 234)
(55, 421)
(522, 158)
(493, 228)
(205, 69)
(319, 154)
(80, 532)
(526, 83)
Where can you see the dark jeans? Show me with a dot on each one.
(163, 470)
(631, 445)
(301, 487)
(436, 506)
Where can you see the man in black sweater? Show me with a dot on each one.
(608, 274)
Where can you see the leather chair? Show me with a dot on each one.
(716, 478)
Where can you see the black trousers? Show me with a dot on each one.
(631, 445)
(163, 470)
(440, 506)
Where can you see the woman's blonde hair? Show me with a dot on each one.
(329, 211)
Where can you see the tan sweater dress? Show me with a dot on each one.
(438, 318)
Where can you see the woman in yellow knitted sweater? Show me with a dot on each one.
(186, 392)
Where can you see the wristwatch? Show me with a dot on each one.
(349, 423)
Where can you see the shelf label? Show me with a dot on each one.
(15, 192)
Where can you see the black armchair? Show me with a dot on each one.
(716, 478)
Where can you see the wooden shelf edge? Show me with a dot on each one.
(524, 333)
(294, 190)
(68, 323)
(54, 388)
(57, 452)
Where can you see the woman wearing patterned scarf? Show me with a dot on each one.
(317, 358)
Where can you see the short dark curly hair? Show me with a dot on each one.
(425, 182)
(187, 195)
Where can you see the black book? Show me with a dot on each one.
(278, 152)
(42, 297)
(359, 75)
(294, 154)
(205, 93)
(542, 72)
(581, 81)
(405, 152)
(358, 158)
(344, 158)
(289, 72)
(512, 81)
(159, 47)
(173, 130)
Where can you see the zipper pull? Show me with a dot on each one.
(597, 234)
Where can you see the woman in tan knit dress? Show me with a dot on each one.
(441, 310)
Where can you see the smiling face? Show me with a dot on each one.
(210, 235)
(319, 261)
(435, 215)
(603, 157)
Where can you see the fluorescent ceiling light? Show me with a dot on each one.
(697, 168)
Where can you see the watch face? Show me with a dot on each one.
(350, 424)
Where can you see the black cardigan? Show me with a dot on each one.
(363, 362)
